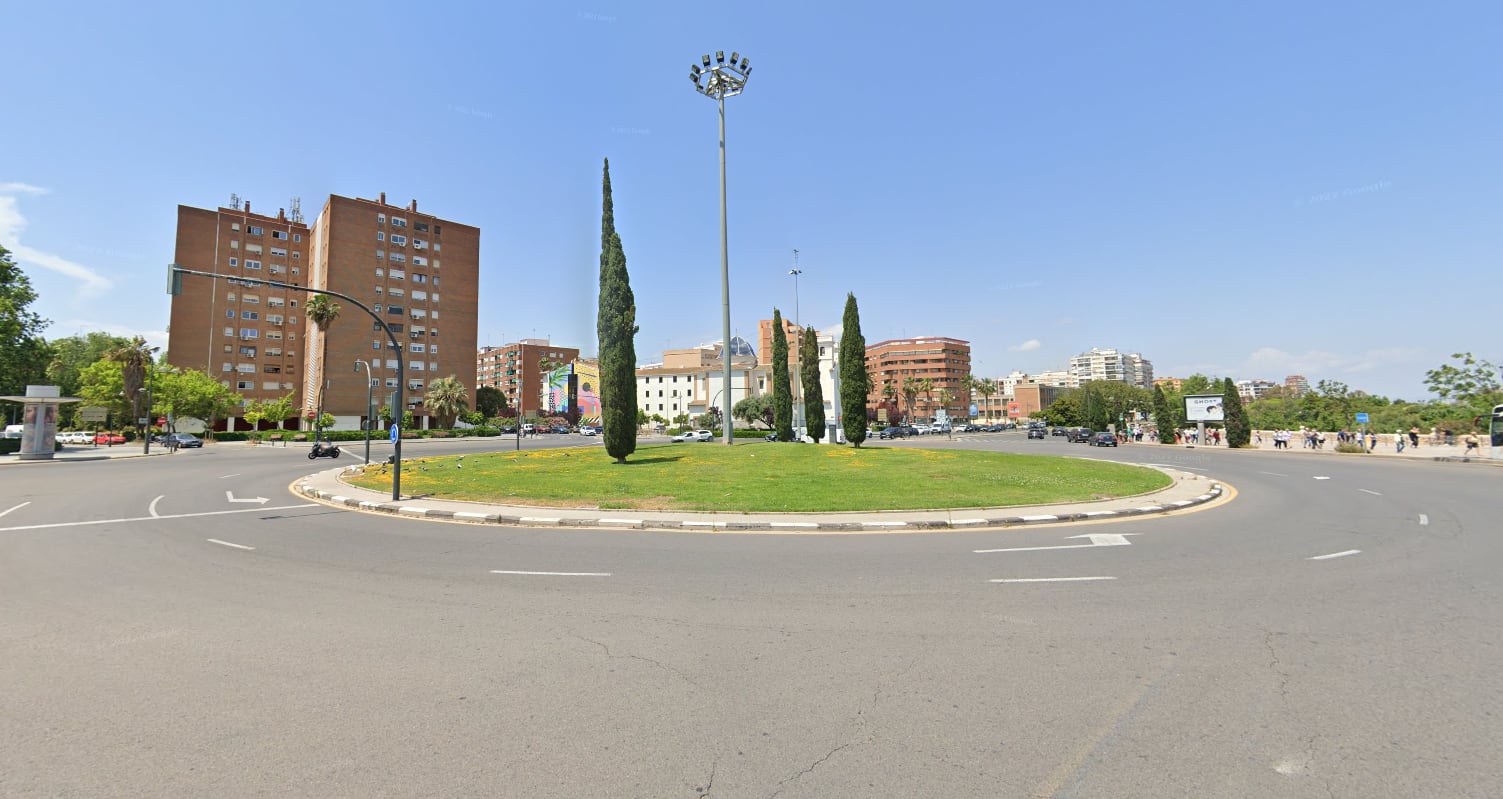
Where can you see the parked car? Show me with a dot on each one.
(687, 435)
(1060, 431)
(703, 435)
(109, 439)
(1036, 432)
(560, 428)
(1104, 440)
(186, 440)
(1078, 435)
(894, 431)
(588, 430)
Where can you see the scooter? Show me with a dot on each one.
(323, 449)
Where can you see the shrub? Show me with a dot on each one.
(1355, 449)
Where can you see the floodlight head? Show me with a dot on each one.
(735, 56)
(694, 68)
(720, 56)
(705, 59)
(745, 63)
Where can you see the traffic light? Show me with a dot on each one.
(174, 280)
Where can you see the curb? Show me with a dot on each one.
(303, 489)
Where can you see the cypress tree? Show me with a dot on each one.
(1166, 421)
(782, 386)
(1238, 431)
(616, 327)
(814, 392)
(855, 382)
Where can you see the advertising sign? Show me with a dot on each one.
(92, 413)
(1204, 408)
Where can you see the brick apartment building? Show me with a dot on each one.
(944, 361)
(517, 370)
(418, 271)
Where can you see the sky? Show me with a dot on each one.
(1247, 191)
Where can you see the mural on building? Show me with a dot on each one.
(556, 390)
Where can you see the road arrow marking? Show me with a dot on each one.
(230, 497)
(1097, 540)
(1424, 520)
(152, 508)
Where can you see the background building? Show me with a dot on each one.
(518, 370)
(1109, 364)
(944, 361)
(420, 273)
(1170, 383)
(1251, 390)
(1297, 385)
(1030, 398)
(248, 336)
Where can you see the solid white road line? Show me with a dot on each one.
(227, 544)
(1275, 474)
(1336, 555)
(153, 518)
(554, 574)
(1322, 478)
(1053, 579)
(18, 507)
(1369, 491)
(228, 476)
(152, 508)
(1033, 549)
(1423, 519)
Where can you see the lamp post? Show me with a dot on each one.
(146, 432)
(370, 383)
(720, 81)
(798, 408)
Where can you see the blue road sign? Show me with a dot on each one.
(1361, 418)
(394, 433)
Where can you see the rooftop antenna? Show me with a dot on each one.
(297, 210)
(235, 201)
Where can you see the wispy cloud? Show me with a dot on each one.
(1028, 346)
(13, 224)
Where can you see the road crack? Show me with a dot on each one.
(812, 766)
(628, 656)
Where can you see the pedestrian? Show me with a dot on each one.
(1472, 444)
(1372, 441)
(1414, 436)
(1398, 440)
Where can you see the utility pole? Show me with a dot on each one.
(797, 387)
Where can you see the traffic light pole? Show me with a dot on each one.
(175, 286)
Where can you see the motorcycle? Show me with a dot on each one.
(323, 449)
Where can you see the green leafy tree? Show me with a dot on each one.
(814, 392)
(1066, 410)
(855, 381)
(102, 384)
(1238, 432)
(1472, 383)
(193, 393)
(616, 327)
(24, 354)
(1164, 417)
(1200, 384)
(782, 385)
(447, 398)
(69, 357)
(322, 311)
(279, 410)
(490, 401)
(754, 411)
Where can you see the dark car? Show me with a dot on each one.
(1078, 435)
(560, 428)
(1036, 432)
(895, 431)
(185, 440)
(1060, 431)
(1104, 440)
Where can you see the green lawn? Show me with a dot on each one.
(760, 476)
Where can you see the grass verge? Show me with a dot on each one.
(766, 477)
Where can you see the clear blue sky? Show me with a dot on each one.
(1247, 191)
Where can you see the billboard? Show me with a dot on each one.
(1204, 408)
(556, 394)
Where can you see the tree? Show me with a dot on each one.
(24, 354)
(855, 382)
(926, 387)
(910, 394)
(814, 392)
(134, 358)
(279, 410)
(1238, 432)
(101, 383)
(489, 401)
(754, 410)
(446, 399)
(616, 327)
(69, 357)
(782, 385)
(191, 392)
(986, 387)
(1473, 383)
(322, 312)
(1164, 417)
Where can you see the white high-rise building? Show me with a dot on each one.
(1109, 364)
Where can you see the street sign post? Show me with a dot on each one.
(395, 433)
(1361, 418)
(93, 413)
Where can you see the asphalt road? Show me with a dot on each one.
(160, 637)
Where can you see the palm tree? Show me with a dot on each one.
(910, 393)
(986, 387)
(446, 399)
(134, 358)
(322, 312)
(926, 387)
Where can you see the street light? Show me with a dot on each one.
(798, 408)
(370, 383)
(720, 81)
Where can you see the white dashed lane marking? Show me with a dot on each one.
(1369, 491)
(1336, 555)
(228, 544)
(1053, 579)
(553, 574)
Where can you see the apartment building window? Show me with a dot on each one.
(414, 385)
(433, 366)
(275, 319)
(419, 244)
(252, 299)
(380, 253)
(435, 299)
(398, 221)
(376, 345)
(380, 236)
(278, 252)
(418, 278)
(381, 218)
(420, 226)
(279, 234)
(245, 385)
(397, 274)
(245, 368)
(252, 264)
(234, 226)
(255, 231)
(391, 363)
(234, 244)
(391, 382)
(234, 262)
(416, 294)
(272, 370)
(297, 237)
(396, 292)
(254, 249)
(416, 366)
(249, 315)
(277, 270)
(249, 352)
(380, 272)
(398, 240)
(397, 257)
(435, 277)
(433, 349)
(378, 291)
(275, 302)
(416, 348)
(275, 336)
(272, 386)
(249, 332)
(296, 255)
(436, 245)
(418, 260)
(378, 310)
(394, 310)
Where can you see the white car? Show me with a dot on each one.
(695, 435)
(588, 430)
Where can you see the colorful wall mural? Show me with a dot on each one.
(556, 390)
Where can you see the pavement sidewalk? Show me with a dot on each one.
(1187, 490)
(1427, 451)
